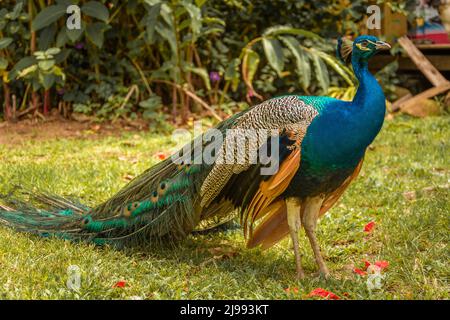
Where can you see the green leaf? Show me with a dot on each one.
(75, 34)
(232, 73)
(48, 80)
(52, 51)
(47, 16)
(22, 64)
(27, 71)
(301, 60)
(251, 60)
(151, 103)
(46, 65)
(273, 31)
(61, 38)
(4, 42)
(152, 2)
(211, 20)
(274, 54)
(95, 33)
(46, 37)
(3, 63)
(342, 70)
(199, 3)
(16, 11)
(321, 73)
(151, 20)
(196, 17)
(202, 73)
(167, 33)
(96, 9)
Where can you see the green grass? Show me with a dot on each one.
(412, 235)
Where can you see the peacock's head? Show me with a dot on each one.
(362, 48)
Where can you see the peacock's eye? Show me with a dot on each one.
(364, 43)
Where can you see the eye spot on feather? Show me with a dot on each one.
(154, 197)
(85, 221)
(128, 210)
(162, 188)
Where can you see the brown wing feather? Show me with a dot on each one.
(270, 230)
(274, 227)
(269, 190)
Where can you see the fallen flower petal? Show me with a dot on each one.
(366, 264)
(368, 227)
(319, 292)
(382, 264)
(120, 284)
(360, 272)
(161, 155)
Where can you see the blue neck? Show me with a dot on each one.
(339, 137)
(369, 103)
(369, 94)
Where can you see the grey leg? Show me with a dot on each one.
(294, 222)
(309, 220)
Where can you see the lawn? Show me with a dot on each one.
(403, 187)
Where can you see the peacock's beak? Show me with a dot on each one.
(381, 45)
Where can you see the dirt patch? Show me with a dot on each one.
(32, 130)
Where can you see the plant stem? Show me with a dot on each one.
(7, 110)
(46, 101)
(174, 104)
(193, 96)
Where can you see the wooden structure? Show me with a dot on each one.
(440, 83)
(394, 26)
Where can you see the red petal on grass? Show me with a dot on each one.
(382, 264)
(360, 272)
(120, 284)
(368, 227)
(366, 264)
(161, 155)
(319, 292)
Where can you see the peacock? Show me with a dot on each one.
(317, 145)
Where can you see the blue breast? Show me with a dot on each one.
(336, 140)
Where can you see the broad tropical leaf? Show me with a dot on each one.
(202, 73)
(274, 54)
(321, 73)
(273, 31)
(250, 64)
(301, 60)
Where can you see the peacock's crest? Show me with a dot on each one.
(344, 49)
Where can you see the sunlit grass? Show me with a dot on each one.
(412, 235)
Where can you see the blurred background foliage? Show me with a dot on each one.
(170, 60)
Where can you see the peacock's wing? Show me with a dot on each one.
(334, 196)
(241, 183)
(274, 226)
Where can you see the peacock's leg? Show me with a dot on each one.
(294, 222)
(309, 219)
